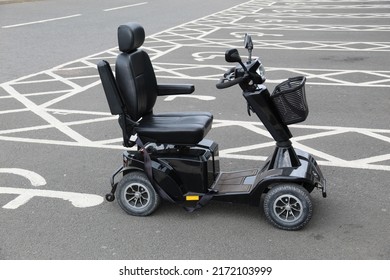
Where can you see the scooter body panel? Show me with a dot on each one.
(178, 170)
(249, 185)
(182, 172)
(259, 102)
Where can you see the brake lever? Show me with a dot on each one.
(229, 76)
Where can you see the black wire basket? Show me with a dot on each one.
(289, 98)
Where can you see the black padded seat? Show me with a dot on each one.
(133, 93)
(175, 128)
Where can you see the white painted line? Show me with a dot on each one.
(40, 21)
(35, 179)
(79, 112)
(79, 200)
(69, 94)
(110, 141)
(96, 145)
(110, 118)
(14, 111)
(24, 129)
(124, 7)
(372, 159)
(194, 96)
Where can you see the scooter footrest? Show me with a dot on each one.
(236, 182)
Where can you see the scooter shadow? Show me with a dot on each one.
(214, 209)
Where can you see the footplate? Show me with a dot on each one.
(241, 182)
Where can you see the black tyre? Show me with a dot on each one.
(136, 195)
(288, 206)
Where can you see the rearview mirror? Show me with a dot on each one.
(248, 44)
(232, 55)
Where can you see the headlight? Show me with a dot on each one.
(261, 71)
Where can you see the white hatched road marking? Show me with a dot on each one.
(200, 33)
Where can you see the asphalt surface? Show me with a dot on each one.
(59, 144)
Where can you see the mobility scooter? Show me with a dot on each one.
(174, 162)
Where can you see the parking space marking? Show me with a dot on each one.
(193, 96)
(298, 5)
(79, 200)
(35, 179)
(124, 7)
(71, 79)
(41, 21)
(70, 16)
(324, 45)
(38, 110)
(375, 162)
(289, 14)
(323, 27)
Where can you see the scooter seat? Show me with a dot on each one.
(187, 128)
(132, 94)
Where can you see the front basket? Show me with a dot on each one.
(289, 99)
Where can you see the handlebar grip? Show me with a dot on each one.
(222, 84)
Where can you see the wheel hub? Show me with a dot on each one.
(288, 208)
(137, 194)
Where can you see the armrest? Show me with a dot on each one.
(174, 89)
(110, 87)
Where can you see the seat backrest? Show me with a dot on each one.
(110, 88)
(134, 72)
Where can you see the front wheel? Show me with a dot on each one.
(136, 195)
(288, 206)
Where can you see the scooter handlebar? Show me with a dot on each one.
(225, 83)
(227, 80)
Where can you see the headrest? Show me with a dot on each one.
(131, 36)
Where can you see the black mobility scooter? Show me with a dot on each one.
(173, 161)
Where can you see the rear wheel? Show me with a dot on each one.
(288, 206)
(136, 194)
